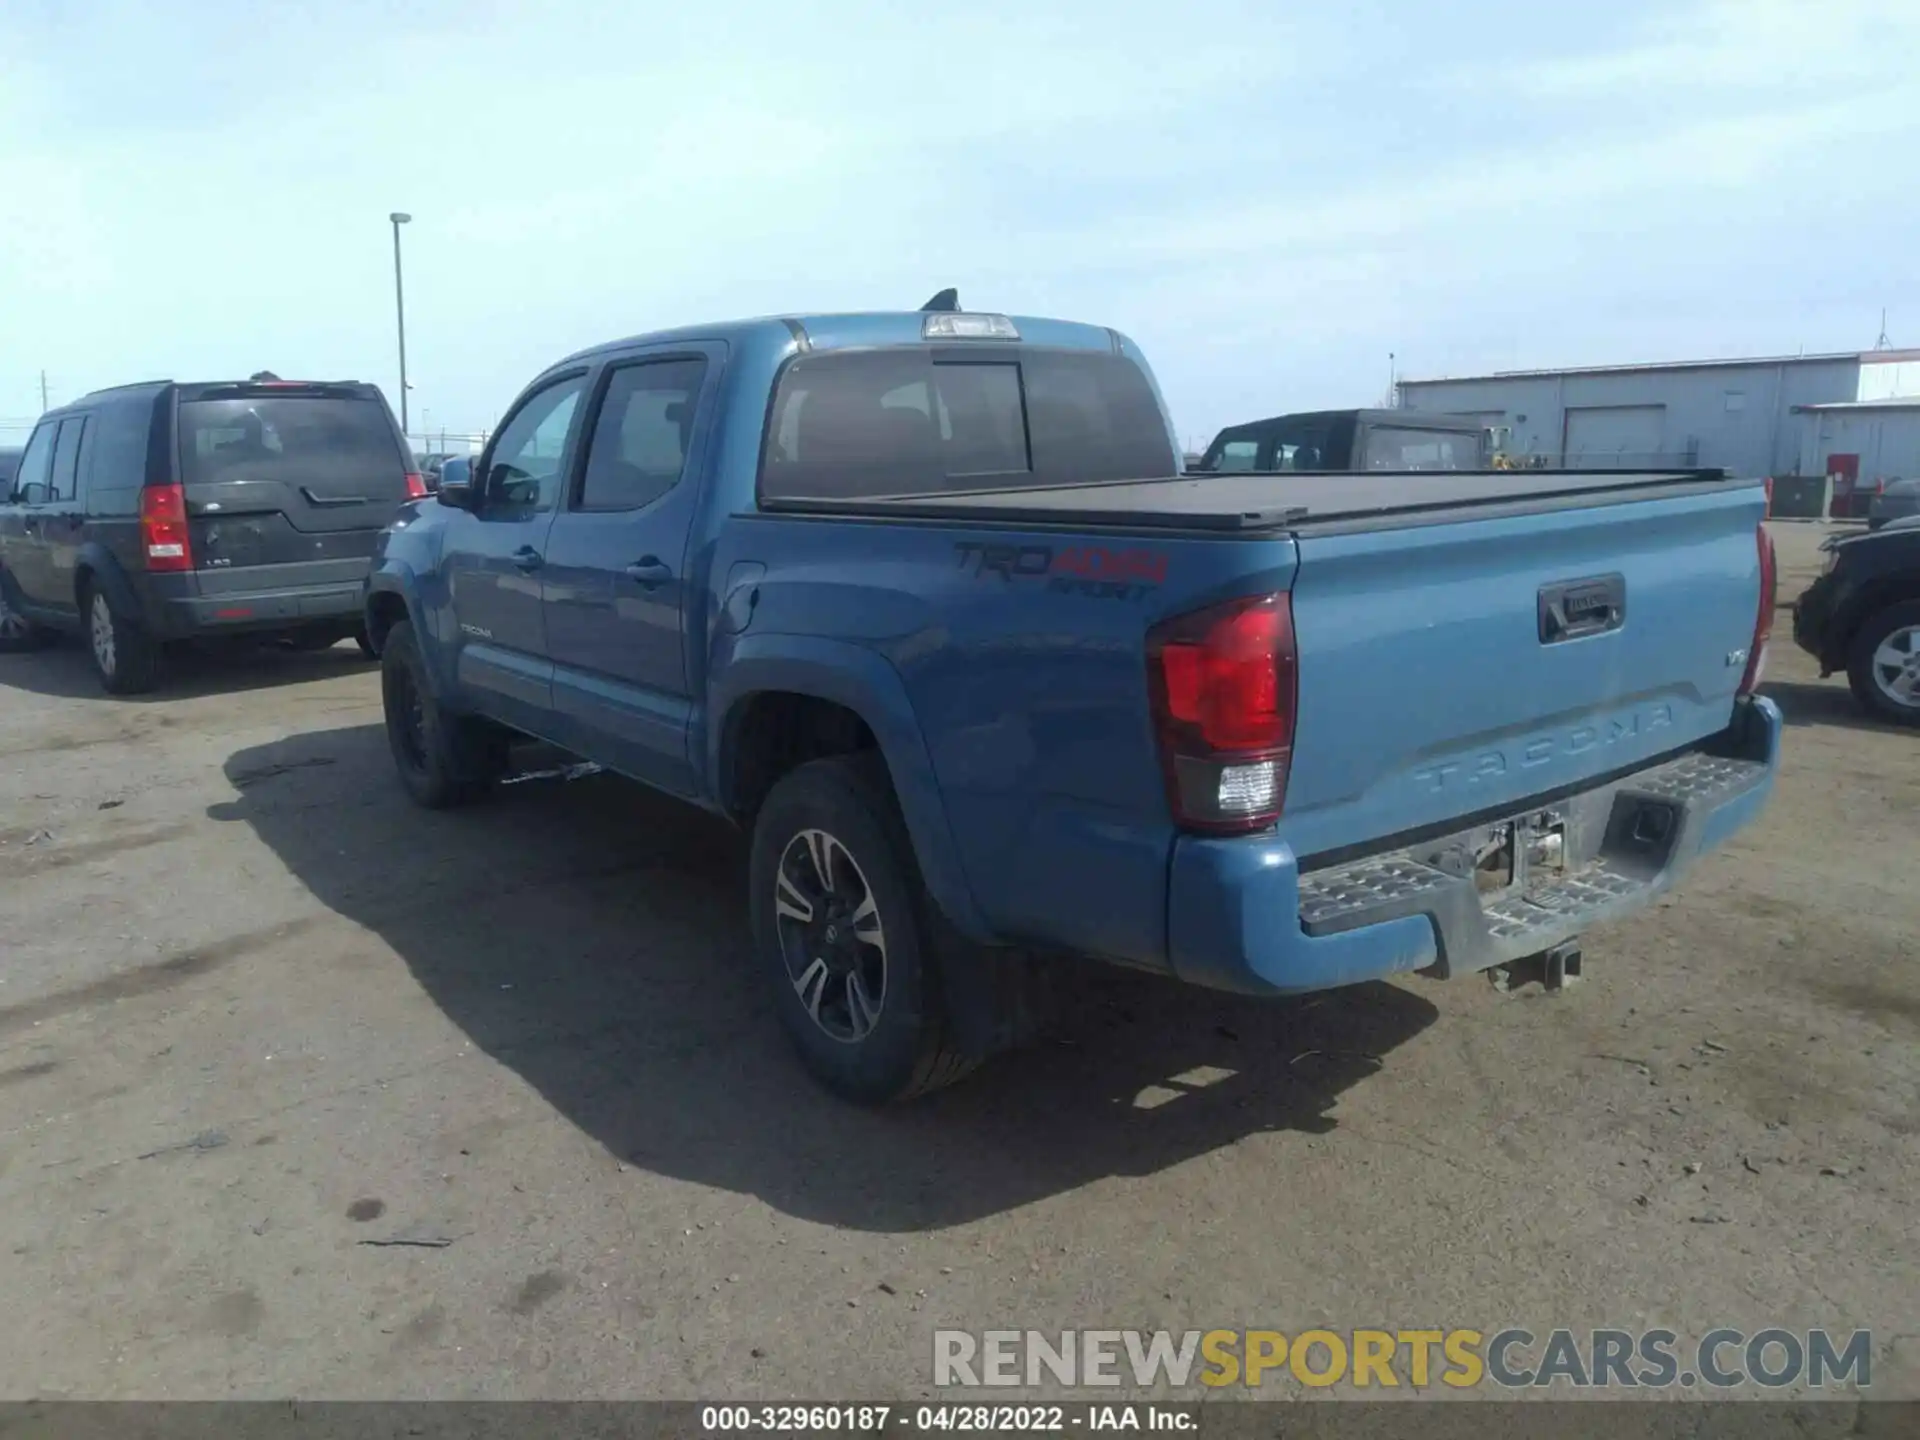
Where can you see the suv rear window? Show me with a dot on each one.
(853, 425)
(334, 447)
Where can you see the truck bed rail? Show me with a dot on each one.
(1259, 503)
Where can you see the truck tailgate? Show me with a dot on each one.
(1461, 668)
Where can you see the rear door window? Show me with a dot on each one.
(640, 437)
(910, 421)
(334, 448)
(65, 482)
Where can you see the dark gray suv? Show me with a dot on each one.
(166, 511)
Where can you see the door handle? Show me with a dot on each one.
(649, 572)
(528, 558)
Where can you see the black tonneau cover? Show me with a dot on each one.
(1255, 503)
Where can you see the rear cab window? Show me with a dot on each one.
(933, 420)
(335, 442)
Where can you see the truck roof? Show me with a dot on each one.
(827, 331)
(1420, 419)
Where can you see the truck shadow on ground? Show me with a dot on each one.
(1822, 703)
(591, 936)
(64, 671)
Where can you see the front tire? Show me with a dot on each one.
(18, 634)
(125, 657)
(443, 759)
(1883, 665)
(841, 930)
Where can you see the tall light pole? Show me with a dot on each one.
(399, 218)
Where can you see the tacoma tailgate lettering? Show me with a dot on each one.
(1460, 774)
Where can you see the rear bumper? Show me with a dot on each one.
(278, 597)
(1242, 916)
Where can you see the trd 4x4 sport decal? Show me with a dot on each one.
(1091, 570)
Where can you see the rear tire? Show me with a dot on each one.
(1883, 663)
(365, 642)
(125, 657)
(846, 935)
(443, 759)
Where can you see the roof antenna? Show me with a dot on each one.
(948, 299)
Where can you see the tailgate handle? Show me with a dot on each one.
(331, 502)
(1570, 609)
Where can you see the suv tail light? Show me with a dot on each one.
(416, 486)
(1223, 685)
(1763, 622)
(163, 528)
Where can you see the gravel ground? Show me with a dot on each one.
(257, 1014)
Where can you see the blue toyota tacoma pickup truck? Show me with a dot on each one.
(921, 601)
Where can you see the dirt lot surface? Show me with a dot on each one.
(258, 1014)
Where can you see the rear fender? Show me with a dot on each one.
(868, 685)
(97, 566)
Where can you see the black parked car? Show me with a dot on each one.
(1863, 616)
(167, 511)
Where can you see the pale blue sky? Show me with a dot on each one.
(1269, 196)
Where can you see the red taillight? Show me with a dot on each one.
(163, 528)
(416, 487)
(1222, 681)
(1763, 622)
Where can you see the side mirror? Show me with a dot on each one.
(33, 494)
(456, 483)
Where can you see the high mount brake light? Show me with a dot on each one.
(966, 325)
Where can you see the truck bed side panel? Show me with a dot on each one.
(1023, 656)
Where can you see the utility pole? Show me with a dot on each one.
(43, 392)
(399, 218)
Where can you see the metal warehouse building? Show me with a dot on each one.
(1852, 415)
